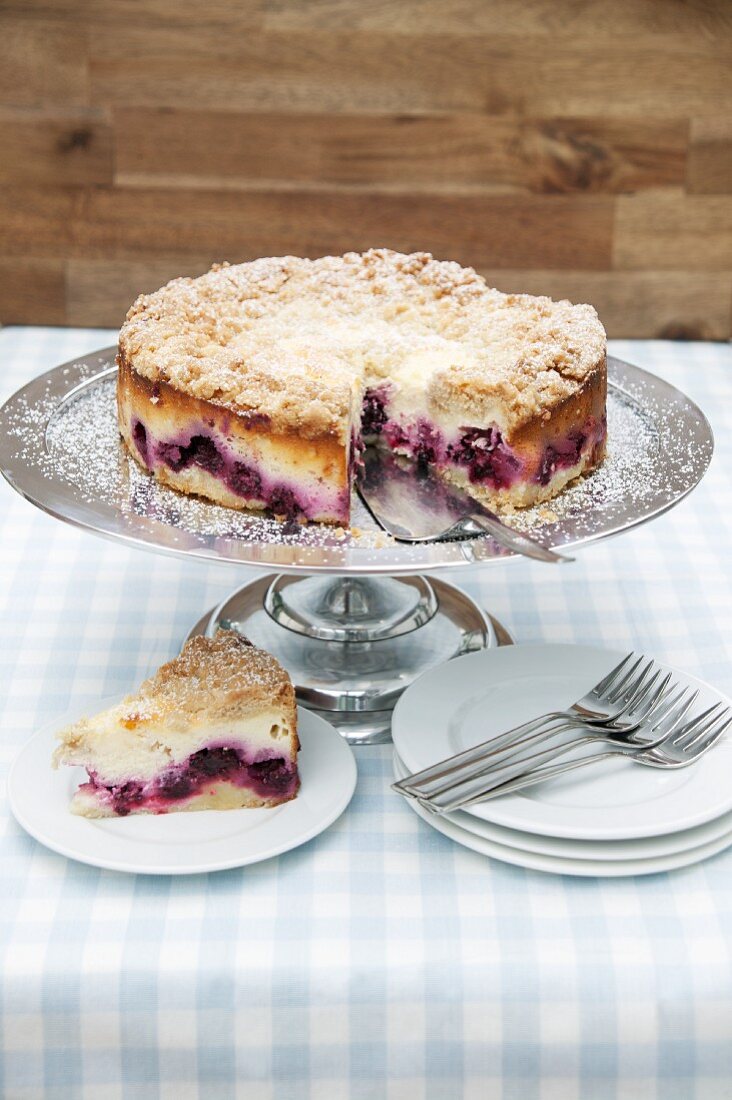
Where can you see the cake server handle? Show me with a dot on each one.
(513, 540)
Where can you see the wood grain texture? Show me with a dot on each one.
(341, 72)
(673, 232)
(575, 149)
(710, 156)
(99, 292)
(125, 223)
(42, 63)
(668, 305)
(46, 146)
(404, 152)
(228, 15)
(33, 288)
(589, 20)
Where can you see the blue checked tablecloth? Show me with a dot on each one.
(379, 960)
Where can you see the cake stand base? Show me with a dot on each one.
(352, 644)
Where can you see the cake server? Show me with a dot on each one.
(413, 505)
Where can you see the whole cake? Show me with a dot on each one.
(255, 386)
(214, 729)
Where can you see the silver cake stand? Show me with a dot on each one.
(350, 614)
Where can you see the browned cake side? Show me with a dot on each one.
(152, 414)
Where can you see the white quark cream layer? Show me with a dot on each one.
(121, 743)
(409, 394)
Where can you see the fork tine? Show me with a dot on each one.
(637, 700)
(709, 735)
(617, 689)
(699, 724)
(673, 703)
(681, 709)
(714, 736)
(602, 687)
(659, 700)
(712, 739)
(686, 741)
(665, 728)
(655, 755)
(634, 689)
(642, 692)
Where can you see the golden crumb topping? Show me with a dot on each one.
(298, 340)
(215, 676)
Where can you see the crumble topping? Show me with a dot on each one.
(216, 676)
(299, 339)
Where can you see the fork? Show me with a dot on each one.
(650, 701)
(606, 702)
(678, 749)
(660, 714)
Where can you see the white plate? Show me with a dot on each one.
(559, 865)
(181, 843)
(470, 699)
(566, 848)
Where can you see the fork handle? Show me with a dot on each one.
(498, 759)
(529, 779)
(411, 783)
(514, 770)
(513, 540)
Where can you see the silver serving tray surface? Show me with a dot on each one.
(59, 448)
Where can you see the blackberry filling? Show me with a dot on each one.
(175, 785)
(373, 416)
(201, 767)
(282, 502)
(486, 457)
(210, 762)
(200, 451)
(245, 481)
(183, 781)
(204, 453)
(125, 798)
(396, 436)
(272, 774)
(139, 434)
(560, 458)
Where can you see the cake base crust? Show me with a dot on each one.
(221, 796)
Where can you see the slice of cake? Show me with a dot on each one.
(214, 729)
(256, 385)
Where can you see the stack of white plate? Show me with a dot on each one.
(612, 818)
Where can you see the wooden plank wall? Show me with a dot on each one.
(576, 149)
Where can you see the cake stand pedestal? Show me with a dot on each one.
(352, 644)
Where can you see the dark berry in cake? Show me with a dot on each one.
(282, 502)
(373, 416)
(245, 481)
